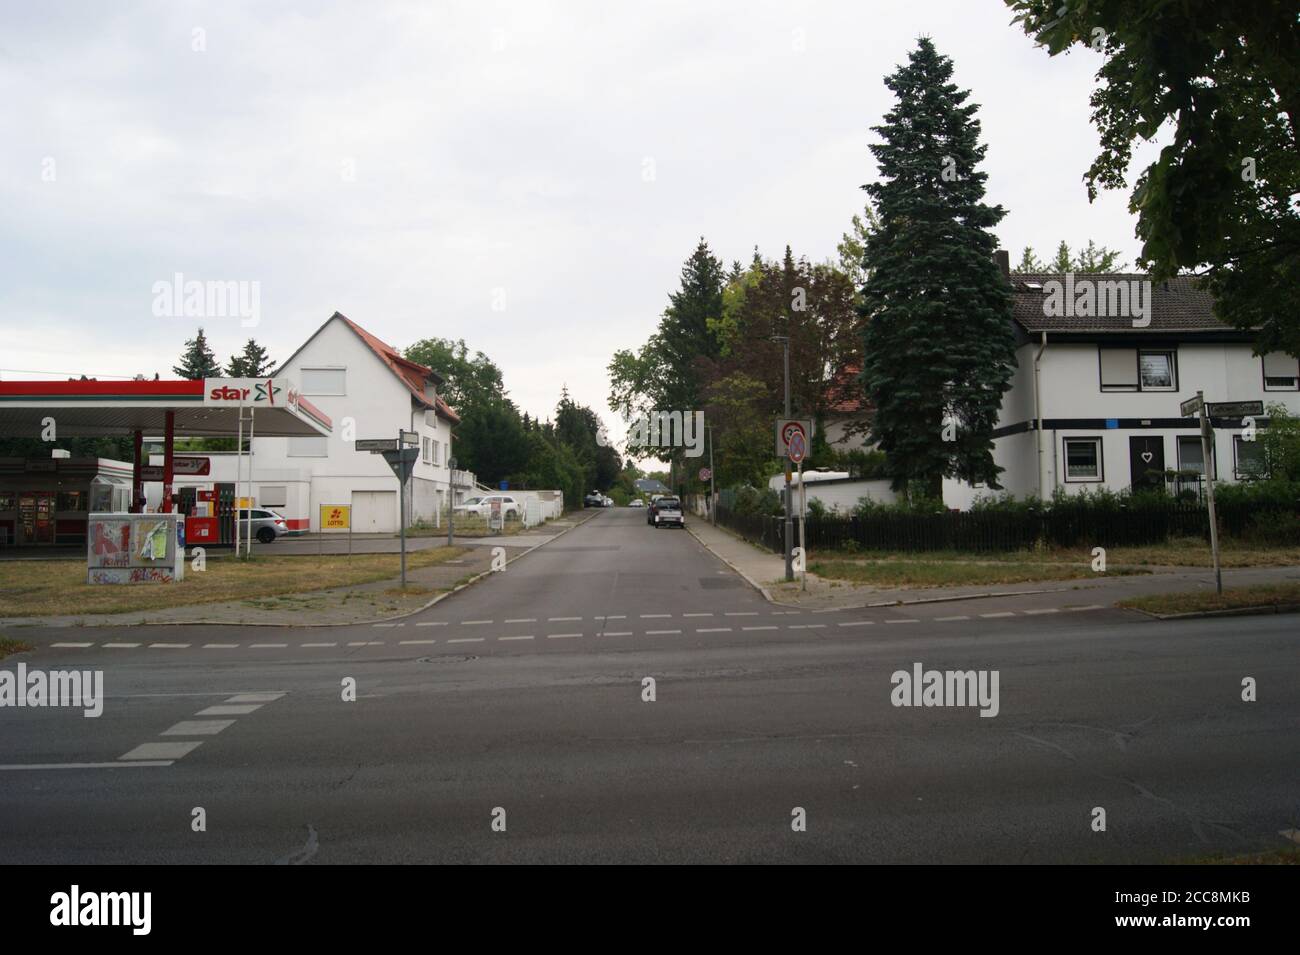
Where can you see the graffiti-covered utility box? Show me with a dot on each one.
(135, 548)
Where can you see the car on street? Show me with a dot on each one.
(667, 512)
(482, 506)
(266, 526)
(594, 499)
(637, 503)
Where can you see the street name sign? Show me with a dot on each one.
(1234, 409)
(376, 445)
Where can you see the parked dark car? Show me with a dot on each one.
(667, 512)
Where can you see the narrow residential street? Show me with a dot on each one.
(526, 693)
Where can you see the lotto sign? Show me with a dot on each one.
(798, 447)
(335, 517)
(786, 428)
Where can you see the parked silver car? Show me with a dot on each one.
(266, 526)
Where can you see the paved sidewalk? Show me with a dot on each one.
(341, 606)
(766, 571)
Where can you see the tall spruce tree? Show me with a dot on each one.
(198, 360)
(938, 344)
(252, 362)
(684, 332)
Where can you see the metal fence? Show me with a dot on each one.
(992, 531)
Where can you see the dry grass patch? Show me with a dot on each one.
(45, 588)
(1233, 598)
(8, 646)
(910, 572)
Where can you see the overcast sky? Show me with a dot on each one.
(415, 165)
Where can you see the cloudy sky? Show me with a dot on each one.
(527, 176)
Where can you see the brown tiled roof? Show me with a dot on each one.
(413, 374)
(1177, 305)
(844, 394)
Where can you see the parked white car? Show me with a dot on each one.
(482, 506)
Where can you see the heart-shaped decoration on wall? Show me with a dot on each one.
(1147, 456)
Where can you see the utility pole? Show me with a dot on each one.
(788, 536)
(1208, 465)
(713, 498)
(451, 502)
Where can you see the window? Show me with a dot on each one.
(1191, 455)
(435, 453)
(312, 447)
(324, 381)
(1083, 459)
(1248, 458)
(1133, 369)
(424, 450)
(273, 495)
(1281, 372)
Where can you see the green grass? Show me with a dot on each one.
(1186, 552)
(8, 646)
(913, 572)
(1199, 601)
(43, 588)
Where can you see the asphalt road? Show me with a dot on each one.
(524, 693)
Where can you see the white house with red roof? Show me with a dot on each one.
(369, 390)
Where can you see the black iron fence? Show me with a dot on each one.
(1001, 530)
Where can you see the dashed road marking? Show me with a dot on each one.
(1089, 607)
(561, 619)
(947, 619)
(474, 623)
(656, 633)
(522, 620)
(154, 751)
(466, 640)
(522, 636)
(198, 728)
(765, 627)
(562, 636)
(220, 646)
(1000, 613)
(714, 630)
(807, 626)
(267, 646)
(436, 623)
(229, 709)
(74, 646)
(121, 646)
(697, 615)
(1048, 610)
(411, 641)
(618, 633)
(857, 623)
(741, 613)
(335, 644)
(254, 697)
(655, 616)
(386, 624)
(902, 621)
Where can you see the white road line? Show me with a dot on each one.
(386, 625)
(562, 636)
(617, 616)
(139, 764)
(474, 623)
(197, 728)
(436, 623)
(230, 709)
(561, 619)
(335, 644)
(654, 616)
(1036, 612)
(75, 646)
(169, 646)
(618, 633)
(767, 627)
(269, 697)
(1000, 613)
(416, 641)
(807, 626)
(121, 646)
(1067, 609)
(220, 646)
(902, 621)
(466, 640)
(741, 613)
(356, 643)
(267, 646)
(523, 620)
(656, 633)
(697, 615)
(946, 619)
(162, 750)
(857, 623)
(714, 630)
(525, 636)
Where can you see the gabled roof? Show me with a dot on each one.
(1177, 305)
(845, 394)
(412, 374)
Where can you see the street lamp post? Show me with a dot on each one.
(788, 536)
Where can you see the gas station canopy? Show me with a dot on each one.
(209, 408)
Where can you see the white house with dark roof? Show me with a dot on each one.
(1094, 400)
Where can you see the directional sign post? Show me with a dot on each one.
(400, 457)
(1188, 407)
(1235, 409)
(797, 448)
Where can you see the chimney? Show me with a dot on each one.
(1003, 258)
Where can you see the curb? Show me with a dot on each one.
(1261, 610)
(315, 626)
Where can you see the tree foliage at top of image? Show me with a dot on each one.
(1093, 258)
(252, 362)
(937, 342)
(1221, 82)
(198, 361)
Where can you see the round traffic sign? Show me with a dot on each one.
(798, 447)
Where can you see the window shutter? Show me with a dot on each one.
(1119, 367)
(1281, 365)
